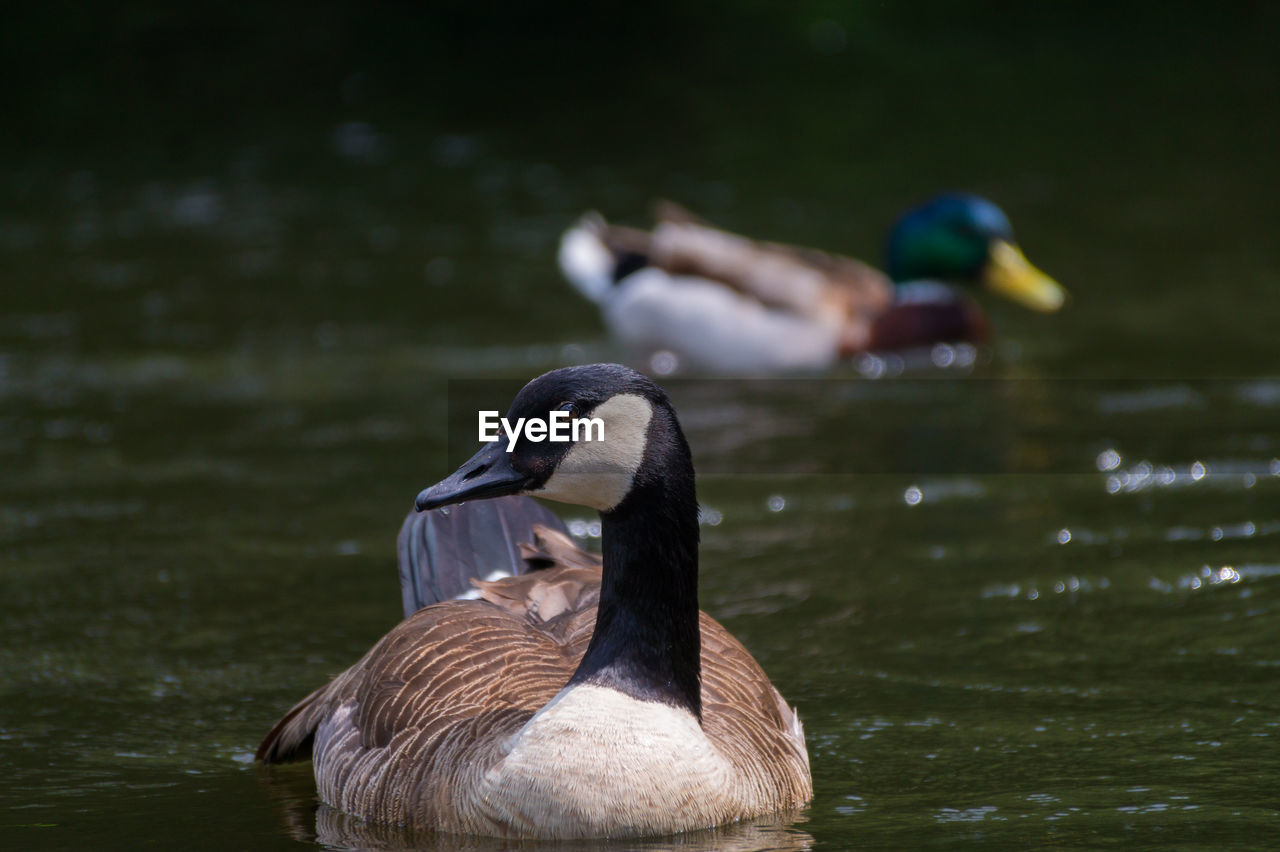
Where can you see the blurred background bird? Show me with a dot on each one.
(724, 303)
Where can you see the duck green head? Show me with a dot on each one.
(968, 240)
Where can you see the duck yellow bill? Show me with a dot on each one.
(1010, 274)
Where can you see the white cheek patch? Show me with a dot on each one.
(599, 473)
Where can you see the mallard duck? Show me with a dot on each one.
(723, 303)
(588, 698)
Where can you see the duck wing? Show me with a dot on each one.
(810, 283)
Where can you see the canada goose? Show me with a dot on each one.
(583, 700)
(724, 303)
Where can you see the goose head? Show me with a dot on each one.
(966, 239)
(623, 438)
(636, 470)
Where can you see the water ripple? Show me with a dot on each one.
(1146, 475)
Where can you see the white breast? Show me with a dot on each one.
(596, 762)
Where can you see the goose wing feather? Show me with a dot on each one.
(441, 552)
(803, 280)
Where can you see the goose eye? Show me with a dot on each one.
(570, 407)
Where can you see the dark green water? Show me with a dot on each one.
(243, 255)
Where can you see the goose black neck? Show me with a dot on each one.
(647, 642)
